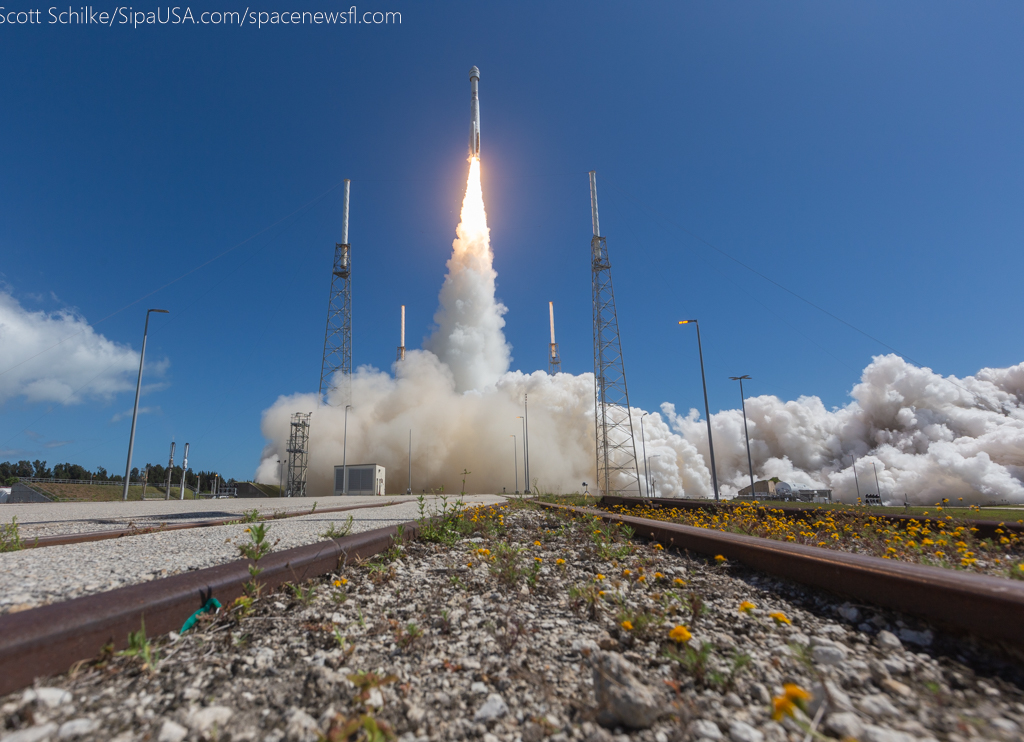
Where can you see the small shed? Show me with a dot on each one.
(363, 479)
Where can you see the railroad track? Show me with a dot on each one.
(114, 533)
(50, 639)
(986, 528)
(990, 607)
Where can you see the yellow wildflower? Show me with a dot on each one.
(779, 617)
(680, 634)
(559, 561)
(746, 607)
(627, 625)
(719, 558)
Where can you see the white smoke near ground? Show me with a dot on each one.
(85, 364)
(923, 435)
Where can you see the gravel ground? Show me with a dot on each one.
(59, 518)
(478, 640)
(33, 577)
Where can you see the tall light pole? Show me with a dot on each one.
(135, 411)
(515, 459)
(707, 411)
(743, 406)
(653, 483)
(526, 426)
(647, 479)
(344, 454)
(526, 474)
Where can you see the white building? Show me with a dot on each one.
(363, 479)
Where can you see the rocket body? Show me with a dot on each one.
(474, 112)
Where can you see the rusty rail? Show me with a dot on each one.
(50, 639)
(990, 607)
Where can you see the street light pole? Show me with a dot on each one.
(526, 426)
(743, 406)
(647, 477)
(344, 455)
(526, 475)
(515, 459)
(135, 411)
(707, 410)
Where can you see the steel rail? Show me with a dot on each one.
(986, 528)
(50, 639)
(90, 536)
(990, 607)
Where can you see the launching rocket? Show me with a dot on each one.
(474, 109)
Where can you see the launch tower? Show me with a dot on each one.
(298, 455)
(617, 469)
(336, 370)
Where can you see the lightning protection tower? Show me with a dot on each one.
(554, 360)
(616, 452)
(298, 455)
(336, 369)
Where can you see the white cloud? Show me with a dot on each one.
(142, 411)
(85, 364)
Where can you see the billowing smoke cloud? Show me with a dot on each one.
(86, 364)
(924, 435)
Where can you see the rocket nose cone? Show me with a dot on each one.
(474, 71)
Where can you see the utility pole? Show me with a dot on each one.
(135, 410)
(170, 471)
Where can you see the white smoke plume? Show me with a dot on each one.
(469, 321)
(926, 436)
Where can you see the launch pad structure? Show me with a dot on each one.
(298, 455)
(336, 369)
(616, 450)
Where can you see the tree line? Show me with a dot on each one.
(157, 474)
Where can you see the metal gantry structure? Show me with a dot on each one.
(298, 455)
(617, 469)
(336, 370)
(554, 360)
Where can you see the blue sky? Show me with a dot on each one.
(865, 156)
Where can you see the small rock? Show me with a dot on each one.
(415, 715)
(301, 727)
(375, 698)
(828, 654)
(742, 732)
(849, 612)
(49, 697)
(705, 729)
(888, 640)
(894, 665)
(478, 688)
(204, 719)
(920, 638)
(874, 733)
(838, 700)
(622, 699)
(494, 708)
(264, 657)
(32, 734)
(172, 731)
(845, 724)
(1004, 725)
(877, 706)
(76, 728)
(895, 687)
(607, 642)
(490, 738)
